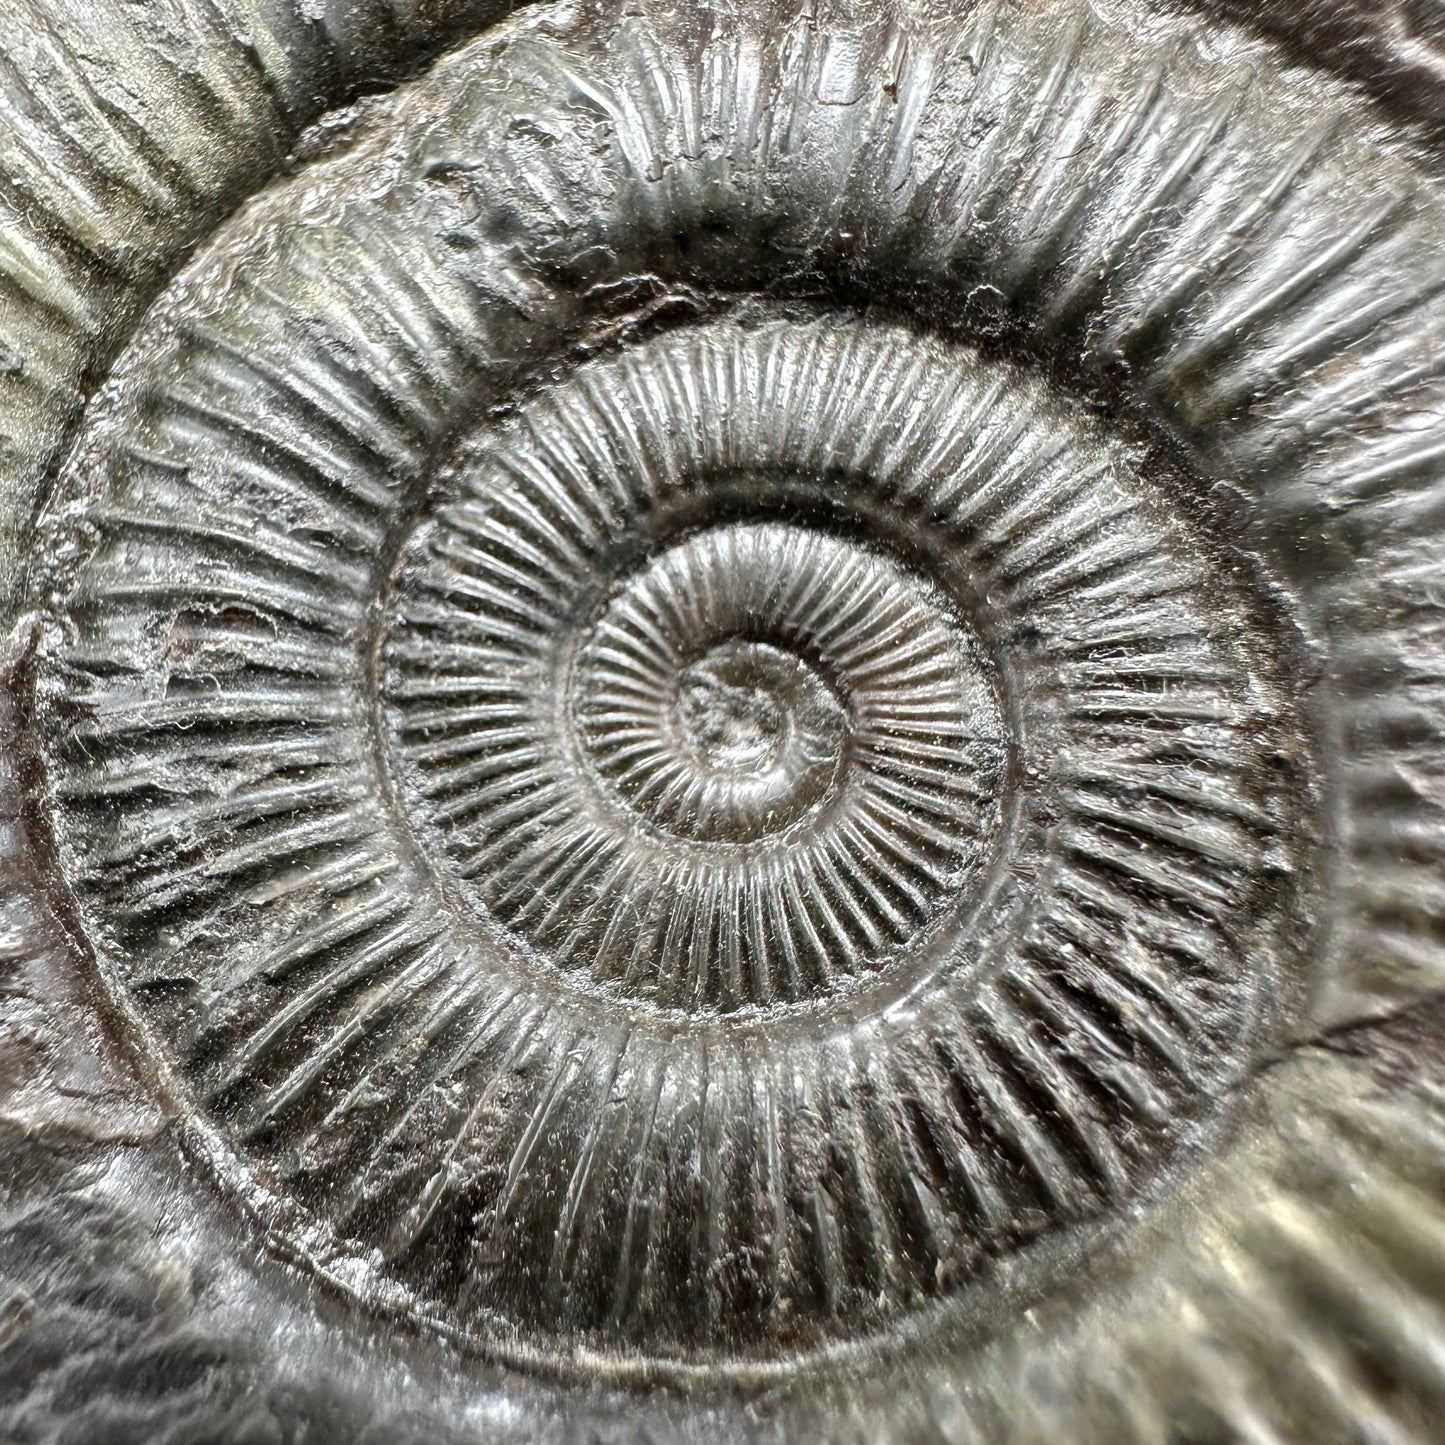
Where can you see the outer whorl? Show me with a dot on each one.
(744, 699)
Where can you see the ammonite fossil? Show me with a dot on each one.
(723, 723)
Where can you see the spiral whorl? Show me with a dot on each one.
(726, 691)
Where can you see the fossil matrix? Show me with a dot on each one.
(723, 724)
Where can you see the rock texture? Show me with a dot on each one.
(722, 724)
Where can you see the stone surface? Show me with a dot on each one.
(721, 724)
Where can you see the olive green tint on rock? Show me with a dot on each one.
(724, 724)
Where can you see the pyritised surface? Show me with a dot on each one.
(752, 696)
(1073, 917)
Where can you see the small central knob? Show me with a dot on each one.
(742, 708)
(731, 728)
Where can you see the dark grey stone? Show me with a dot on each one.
(722, 723)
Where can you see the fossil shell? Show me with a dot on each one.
(742, 700)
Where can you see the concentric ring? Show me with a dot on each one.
(650, 806)
(764, 765)
(459, 1084)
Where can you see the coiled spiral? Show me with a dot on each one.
(682, 683)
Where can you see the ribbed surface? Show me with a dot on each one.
(711, 841)
(129, 132)
(1102, 983)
